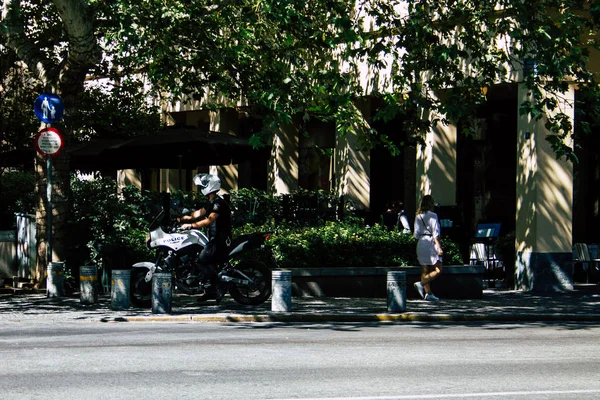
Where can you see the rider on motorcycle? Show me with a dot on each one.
(216, 216)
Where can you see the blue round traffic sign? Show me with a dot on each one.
(48, 108)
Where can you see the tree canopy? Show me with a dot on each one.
(281, 58)
(443, 53)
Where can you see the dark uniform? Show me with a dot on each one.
(219, 232)
(390, 219)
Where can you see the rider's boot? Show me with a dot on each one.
(218, 287)
(219, 292)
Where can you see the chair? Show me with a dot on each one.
(484, 254)
(478, 253)
(583, 257)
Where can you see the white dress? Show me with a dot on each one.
(427, 228)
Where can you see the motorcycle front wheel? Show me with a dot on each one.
(256, 293)
(141, 291)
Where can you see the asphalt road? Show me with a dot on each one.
(82, 360)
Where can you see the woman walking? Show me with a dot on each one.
(429, 250)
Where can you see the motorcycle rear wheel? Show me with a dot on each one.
(257, 293)
(141, 291)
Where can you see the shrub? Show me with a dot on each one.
(16, 196)
(344, 244)
(110, 222)
(252, 206)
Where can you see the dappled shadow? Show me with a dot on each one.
(19, 306)
(544, 204)
(497, 309)
(283, 163)
(351, 163)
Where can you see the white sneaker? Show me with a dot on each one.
(431, 297)
(420, 289)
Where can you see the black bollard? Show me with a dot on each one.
(120, 297)
(282, 291)
(162, 292)
(88, 284)
(55, 286)
(396, 291)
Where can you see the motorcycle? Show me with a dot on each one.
(247, 280)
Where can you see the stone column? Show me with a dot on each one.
(352, 167)
(127, 177)
(436, 165)
(165, 177)
(226, 121)
(544, 205)
(283, 164)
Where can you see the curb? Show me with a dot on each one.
(20, 291)
(371, 318)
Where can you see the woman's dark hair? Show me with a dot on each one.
(427, 204)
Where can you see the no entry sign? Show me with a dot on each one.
(49, 142)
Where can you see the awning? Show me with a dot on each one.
(185, 148)
(174, 148)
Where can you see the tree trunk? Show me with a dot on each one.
(67, 81)
(60, 213)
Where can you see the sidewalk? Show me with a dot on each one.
(580, 305)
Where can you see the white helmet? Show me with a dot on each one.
(208, 183)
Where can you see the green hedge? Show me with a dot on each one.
(120, 220)
(344, 244)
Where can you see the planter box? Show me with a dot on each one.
(455, 282)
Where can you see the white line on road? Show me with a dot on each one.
(458, 395)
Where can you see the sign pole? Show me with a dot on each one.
(49, 143)
(49, 208)
(48, 108)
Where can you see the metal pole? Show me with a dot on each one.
(49, 209)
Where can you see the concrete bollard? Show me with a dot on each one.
(55, 282)
(162, 291)
(120, 294)
(282, 291)
(88, 284)
(396, 291)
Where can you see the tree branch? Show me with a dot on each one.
(12, 31)
(83, 45)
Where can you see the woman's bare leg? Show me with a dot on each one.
(428, 274)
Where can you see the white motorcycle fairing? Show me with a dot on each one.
(174, 241)
(150, 266)
(177, 240)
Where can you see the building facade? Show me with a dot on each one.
(506, 172)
